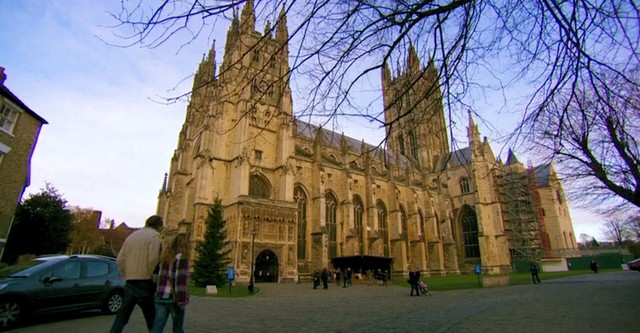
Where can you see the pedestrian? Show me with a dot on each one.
(414, 278)
(316, 279)
(338, 277)
(325, 278)
(533, 268)
(385, 277)
(171, 294)
(138, 259)
(594, 266)
(349, 276)
(370, 277)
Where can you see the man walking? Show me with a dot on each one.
(534, 273)
(137, 260)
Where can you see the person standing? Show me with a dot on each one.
(594, 266)
(533, 268)
(171, 294)
(138, 259)
(414, 278)
(325, 278)
(316, 279)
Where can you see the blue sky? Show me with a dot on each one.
(109, 141)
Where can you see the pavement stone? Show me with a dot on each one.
(603, 302)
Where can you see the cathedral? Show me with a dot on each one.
(298, 197)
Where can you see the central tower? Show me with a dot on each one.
(414, 117)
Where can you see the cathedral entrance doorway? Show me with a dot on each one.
(266, 267)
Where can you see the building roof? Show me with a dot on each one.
(336, 140)
(454, 159)
(4, 91)
(543, 174)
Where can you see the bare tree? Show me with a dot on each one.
(585, 239)
(565, 50)
(85, 236)
(592, 131)
(632, 223)
(615, 230)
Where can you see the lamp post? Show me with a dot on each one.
(253, 240)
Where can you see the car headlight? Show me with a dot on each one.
(3, 285)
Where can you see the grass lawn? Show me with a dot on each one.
(435, 282)
(470, 281)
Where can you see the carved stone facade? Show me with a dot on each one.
(297, 195)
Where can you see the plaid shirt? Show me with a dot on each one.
(178, 274)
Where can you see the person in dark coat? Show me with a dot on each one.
(594, 266)
(533, 268)
(324, 276)
(414, 278)
(316, 279)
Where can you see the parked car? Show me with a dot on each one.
(634, 265)
(59, 283)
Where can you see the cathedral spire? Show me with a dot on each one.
(474, 136)
(248, 17)
(206, 70)
(386, 75)
(413, 62)
(282, 32)
(282, 35)
(511, 158)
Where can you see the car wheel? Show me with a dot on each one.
(10, 313)
(113, 303)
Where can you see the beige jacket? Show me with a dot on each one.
(140, 254)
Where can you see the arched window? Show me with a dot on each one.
(470, 233)
(559, 196)
(464, 185)
(358, 212)
(259, 187)
(414, 145)
(331, 210)
(401, 141)
(382, 226)
(301, 198)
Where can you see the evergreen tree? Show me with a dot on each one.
(42, 225)
(211, 254)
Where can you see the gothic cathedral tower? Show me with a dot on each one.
(235, 146)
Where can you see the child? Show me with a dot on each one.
(171, 294)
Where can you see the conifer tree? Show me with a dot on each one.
(211, 252)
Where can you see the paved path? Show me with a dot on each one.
(605, 302)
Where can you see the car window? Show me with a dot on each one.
(21, 270)
(96, 268)
(68, 270)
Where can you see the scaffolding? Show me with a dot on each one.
(521, 212)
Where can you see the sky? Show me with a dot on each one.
(110, 136)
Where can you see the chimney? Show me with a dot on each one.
(3, 76)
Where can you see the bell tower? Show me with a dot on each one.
(414, 117)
